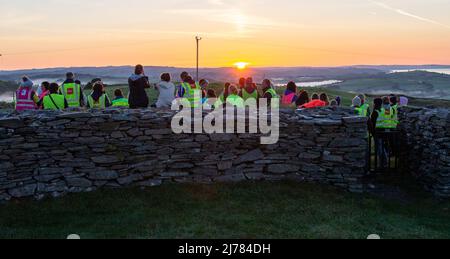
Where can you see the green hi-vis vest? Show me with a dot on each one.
(246, 95)
(58, 100)
(121, 102)
(100, 104)
(364, 110)
(236, 100)
(71, 92)
(193, 96)
(385, 119)
(274, 94)
(395, 119)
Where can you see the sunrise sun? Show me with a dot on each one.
(241, 65)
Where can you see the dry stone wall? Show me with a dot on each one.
(426, 148)
(53, 153)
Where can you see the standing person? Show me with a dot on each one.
(166, 91)
(224, 95)
(356, 105)
(204, 84)
(119, 99)
(377, 126)
(137, 83)
(290, 95)
(183, 85)
(98, 99)
(249, 91)
(242, 84)
(338, 100)
(54, 100)
(394, 106)
(191, 91)
(44, 91)
(365, 106)
(72, 91)
(26, 97)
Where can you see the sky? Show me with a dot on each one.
(56, 33)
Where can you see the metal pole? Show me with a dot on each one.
(198, 39)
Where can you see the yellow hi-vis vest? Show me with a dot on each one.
(193, 96)
(274, 94)
(71, 92)
(235, 100)
(56, 104)
(100, 104)
(121, 102)
(364, 110)
(385, 120)
(395, 119)
(246, 95)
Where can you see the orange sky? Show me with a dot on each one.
(262, 33)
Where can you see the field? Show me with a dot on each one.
(247, 210)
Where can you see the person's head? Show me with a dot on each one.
(303, 98)
(386, 101)
(242, 82)
(291, 86)
(70, 75)
(266, 84)
(377, 103)
(98, 88)
(233, 90)
(118, 93)
(338, 100)
(211, 93)
(26, 82)
(190, 80)
(45, 86)
(139, 70)
(204, 83)
(249, 82)
(324, 98)
(404, 101)
(315, 96)
(53, 88)
(165, 77)
(183, 76)
(356, 102)
(334, 103)
(362, 97)
(393, 99)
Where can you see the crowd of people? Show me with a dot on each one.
(383, 115)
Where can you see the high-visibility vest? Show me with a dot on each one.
(395, 119)
(58, 99)
(71, 92)
(235, 100)
(24, 99)
(274, 94)
(193, 96)
(121, 102)
(100, 104)
(246, 95)
(288, 98)
(385, 120)
(365, 110)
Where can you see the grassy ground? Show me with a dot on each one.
(247, 210)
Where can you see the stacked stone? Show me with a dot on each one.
(427, 143)
(53, 153)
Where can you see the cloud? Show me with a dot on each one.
(408, 14)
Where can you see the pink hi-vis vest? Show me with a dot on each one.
(24, 100)
(287, 99)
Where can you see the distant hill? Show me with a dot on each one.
(419, 84)
(119, 75)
